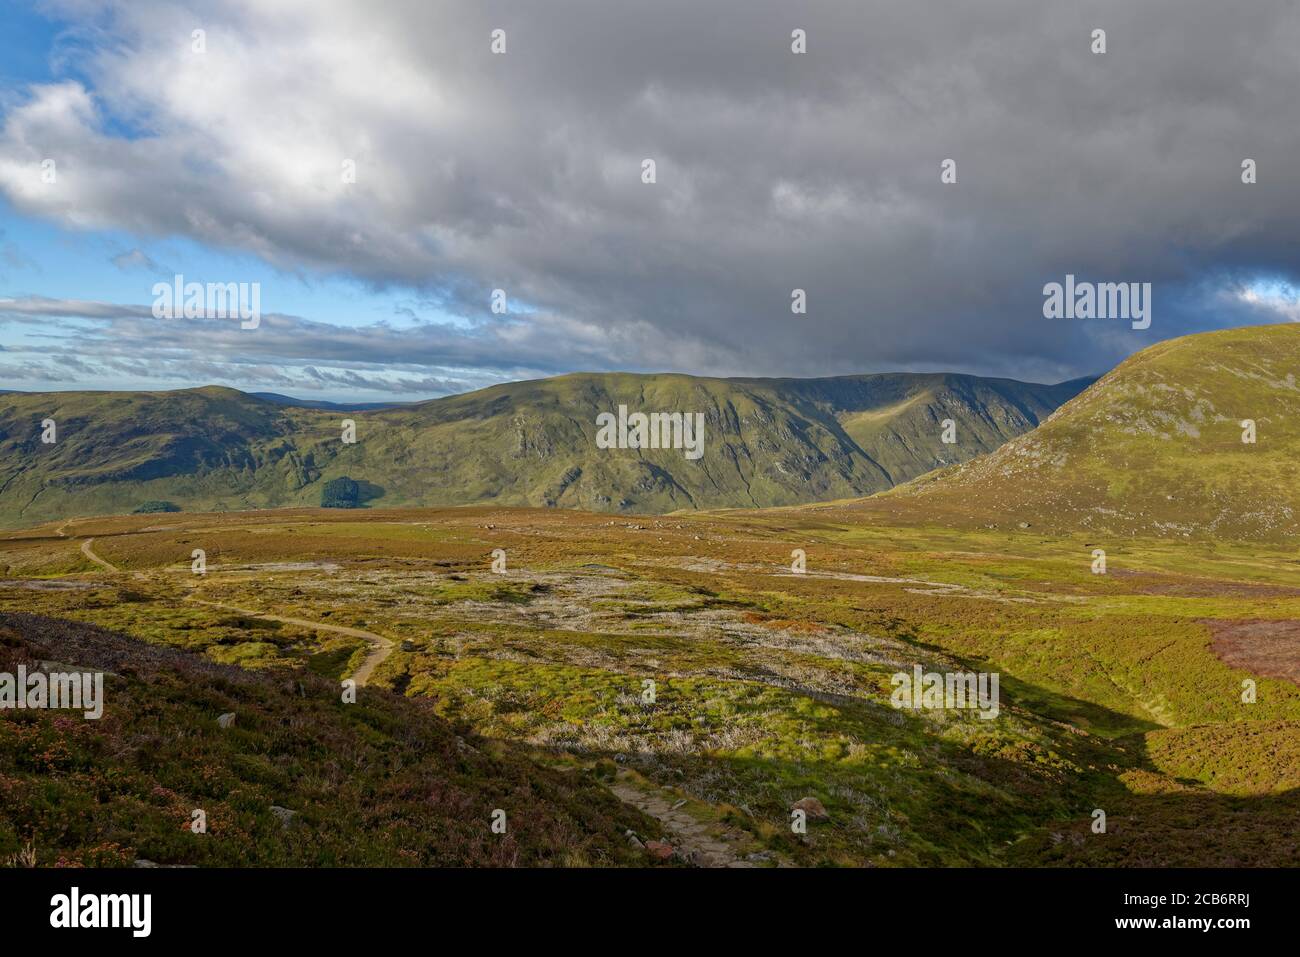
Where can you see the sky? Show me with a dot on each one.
(377, 170)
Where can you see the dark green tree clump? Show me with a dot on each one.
(341, 492)
(156, 506)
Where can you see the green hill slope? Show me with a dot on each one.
(766, 442)
(383, 782)
(1154, 447)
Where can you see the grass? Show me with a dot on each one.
(1154, 449)
(769, 687)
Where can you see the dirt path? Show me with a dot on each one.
(689, 835)
(380, 647)
(89, 553)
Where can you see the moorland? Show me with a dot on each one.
(666, 688)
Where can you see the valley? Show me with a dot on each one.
(683, 685)
(769, 687)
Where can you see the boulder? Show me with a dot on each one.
(659, 850)
(284, 815)
(812, 808)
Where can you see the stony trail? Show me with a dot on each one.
(693, 838)
(380, 647)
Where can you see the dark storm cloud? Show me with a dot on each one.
(775, 171)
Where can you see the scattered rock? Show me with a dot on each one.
(1024, 524)
(284, 815)
(633, 839)
(142, 862)
(227, 719)
(681, 803)
(813, 808)
(659, 850)
(63, 666)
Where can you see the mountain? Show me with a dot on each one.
(765, 442)
(1155, 447)
(279, 399)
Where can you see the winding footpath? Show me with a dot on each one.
(380, 647)
(102, 562)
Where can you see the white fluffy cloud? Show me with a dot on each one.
(775, 171)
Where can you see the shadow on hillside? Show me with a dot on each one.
(1026, 825)
(999, 802)
(1166, 822)
(1171, 823)
(368, 492)
(1093, 718)
(951, 805)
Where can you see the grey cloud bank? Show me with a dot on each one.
(775, 171)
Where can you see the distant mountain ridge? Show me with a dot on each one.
(279, 399)
(767, 442)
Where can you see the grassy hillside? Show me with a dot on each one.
(382, 782)
(766, 442)
(1154, 447)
